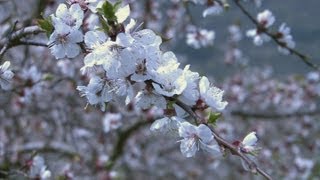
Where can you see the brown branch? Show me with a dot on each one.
(263, 115)
(225, 144)
(274, 37)
(32, 43)
(13, 39)
(123, 137)
(44, 147)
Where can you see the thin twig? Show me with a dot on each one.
(32, 43)
(263, 115)
(123, 137)
(13, 39)
(301, 56)
(39, 146)
(222, 142)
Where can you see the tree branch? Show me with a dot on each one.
(301, 56)
(262, 115)
(13, 39)
(44, 147)
(32, 43)
(224, 143)
(123, 137)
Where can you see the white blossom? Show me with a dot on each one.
(33, 77)
(94, 38)
(94, 4)
(214, 9)
(265, 20)
(305, 166)
(72, 17)
(169, 84)
(248, 144)
(194, 138)
(313, 76)
(285, 38)
(211, 94)
(258, 38)
(104, 55)
(63, 41)
(92, 22)
(67, 67)
(191, 93)
(96, 92)
(158, 63)
(111, 121)
(147, 37)
(235, 33)
(6, 76)
(129, 27)
(38, 169)
(146, 100)
(166, 124)
(200, 38)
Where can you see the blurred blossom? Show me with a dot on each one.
(38, 169)
(5, 76)
(285, 37)
(304, 165)
(111, 121)
(32, 78)
(215, 8)
(66, 67)
(235, 33)
(265, 20)
(313, 76)
(198, 38)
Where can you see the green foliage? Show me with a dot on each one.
(117, 5)
(225, 4)
(315, 171)
(213, 117)
(46, 24)
(104, 25)
(109, 10)
(48, 77)
(170, 104)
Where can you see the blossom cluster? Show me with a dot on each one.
(64, 40)
(212, 7)
(132, 69)
(198, 38)
(265, 20)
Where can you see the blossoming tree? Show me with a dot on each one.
(117, 103)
